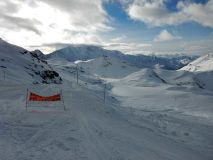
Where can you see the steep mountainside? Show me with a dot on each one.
(21, 66)
(202, 69)
(202, 64)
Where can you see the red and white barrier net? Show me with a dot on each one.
(45, 101)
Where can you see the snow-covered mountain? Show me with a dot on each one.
(202, 64)
(202, 69)
(86, 52)
(107, 67)
(21, 66)
(81, 52)
(144, 77)
(116, 66)
(157, 77)
(197, 74)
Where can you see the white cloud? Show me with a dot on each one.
(200, 13)
(35, 22)
(198, 47)
(83, 13)
(129, 47)
(119, 39)
(165, 36)
(73, 38)
(155, 12)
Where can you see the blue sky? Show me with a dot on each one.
(139, 30)
(131, 26)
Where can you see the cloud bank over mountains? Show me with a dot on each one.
(36, 23)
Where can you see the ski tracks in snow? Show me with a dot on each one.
(87, 130)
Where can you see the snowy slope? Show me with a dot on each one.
(170, 93)
(21, 66)
(202, 64)
(144, 77)
(202, 69)
(86, 52)
(155, 77)
(107, 67)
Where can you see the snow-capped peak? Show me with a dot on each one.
(202, 64)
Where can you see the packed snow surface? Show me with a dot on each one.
(90, 129)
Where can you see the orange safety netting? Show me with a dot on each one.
(35, 97)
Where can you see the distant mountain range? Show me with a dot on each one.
(136, 70)
(86, 52)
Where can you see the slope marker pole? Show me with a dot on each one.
(104, 92)
(77, 73)
(27, 100)
(4, 74)
(62, 98)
